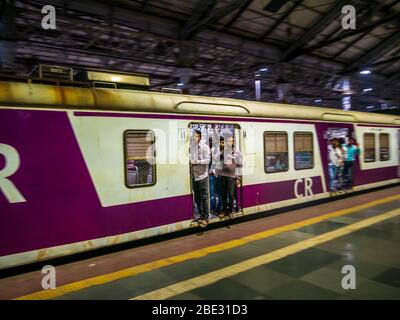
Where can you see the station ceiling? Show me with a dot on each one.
(297, 49)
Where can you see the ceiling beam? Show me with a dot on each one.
(386, 9)
(394, 76)
(145, 4)
(295, 49)
(365, 29)
(383, 62)
(390, 5)
(238, 14)
(205, 42)
(349, 45)
(362, 14)
(281, 19)
(200, 12)
(201, 19)
(376, 52)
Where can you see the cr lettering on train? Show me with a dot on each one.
(12, 163)
(303, 187)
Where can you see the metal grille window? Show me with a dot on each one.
(140, 159)
(384, 149)
(303, 150)
(369, 147)
(275, 152)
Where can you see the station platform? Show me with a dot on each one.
(298, 254)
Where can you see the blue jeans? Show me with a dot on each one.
(215, 193)
(228, 194)
(200, 189)
(333, 176)
(348, 173)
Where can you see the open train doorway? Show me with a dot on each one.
(342, 149)
(215, 170)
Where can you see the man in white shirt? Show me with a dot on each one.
(336, 162)
(199, 160)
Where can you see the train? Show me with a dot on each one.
(86, 167)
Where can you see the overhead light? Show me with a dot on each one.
(346, 103)
(257, 75)
(239, 91)
(365, 72)
(367, 89)
(180, 84)
(263, 69)
(370, 107)
(317, 100)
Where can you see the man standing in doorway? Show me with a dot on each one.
(231, 161)
(199, 160)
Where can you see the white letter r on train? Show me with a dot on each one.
(12, 162)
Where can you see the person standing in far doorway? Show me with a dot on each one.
(231, 162)
(352, 150)
(336, 162)
(199, 160)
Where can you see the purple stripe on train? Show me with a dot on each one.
(258, 194)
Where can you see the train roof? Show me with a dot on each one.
(66, 97)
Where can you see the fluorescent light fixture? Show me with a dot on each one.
(346, 103)
(263, 69)
(367, 89)
(239, 91)
(257, 84)
(370, 107)
(317, 100)
(257, 75)
(180, 84)
(365, 72)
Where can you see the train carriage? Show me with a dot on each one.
(84, 168)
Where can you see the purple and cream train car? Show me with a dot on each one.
(83, 168)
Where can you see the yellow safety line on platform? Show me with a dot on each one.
(229, 271)
(132, 271)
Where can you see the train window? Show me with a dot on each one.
(384, 149)
(275, 152)
(303, 150)
(369, 147)
(140, 168)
